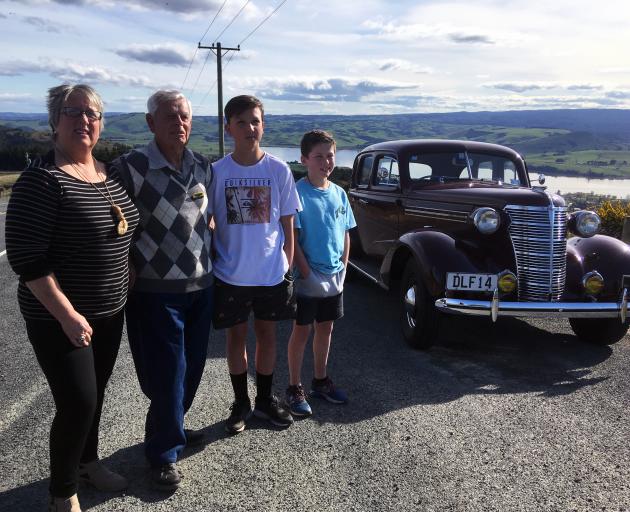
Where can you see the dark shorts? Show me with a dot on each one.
(233, 304)
(319, 309)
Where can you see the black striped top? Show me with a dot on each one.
(58, 224)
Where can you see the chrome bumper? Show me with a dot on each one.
(495, 308)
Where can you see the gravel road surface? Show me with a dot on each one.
(516, 417)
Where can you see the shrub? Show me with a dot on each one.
(613, 215)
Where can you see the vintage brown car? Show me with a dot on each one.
(458, 228)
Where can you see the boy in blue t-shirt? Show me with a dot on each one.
(321, 256)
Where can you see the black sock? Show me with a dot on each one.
(263, 385)
(239, 385)
(320, 382)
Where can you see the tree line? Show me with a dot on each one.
(17, 157)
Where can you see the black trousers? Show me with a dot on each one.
(77, 378)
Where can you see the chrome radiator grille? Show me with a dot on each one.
(539, 238)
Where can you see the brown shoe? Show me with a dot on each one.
(70, 504)
(101, 478)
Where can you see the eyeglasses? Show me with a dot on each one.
(92, 115)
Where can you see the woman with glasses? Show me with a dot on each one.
(68, 229)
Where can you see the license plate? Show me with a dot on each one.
(473, 282)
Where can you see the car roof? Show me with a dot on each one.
(438, 145)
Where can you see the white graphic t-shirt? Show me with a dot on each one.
(248, 203)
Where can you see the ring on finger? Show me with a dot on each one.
(82, 338)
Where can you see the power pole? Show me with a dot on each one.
(219, 53)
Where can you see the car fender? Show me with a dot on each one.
(435, 254)
(604, 254)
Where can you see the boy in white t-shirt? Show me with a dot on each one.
(321, 256)
(254, 200)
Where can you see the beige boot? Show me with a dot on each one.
(70, 504)
(97, 475)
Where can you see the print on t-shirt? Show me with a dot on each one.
(248, 200)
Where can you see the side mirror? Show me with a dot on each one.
(541, 179)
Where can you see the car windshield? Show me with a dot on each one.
(450, 166)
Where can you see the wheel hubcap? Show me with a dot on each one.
(410, 305)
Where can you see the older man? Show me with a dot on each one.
(169, 309)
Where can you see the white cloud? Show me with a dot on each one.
(584, 87)
(463, 38)
(179, 6)
(323, 89)
(11, 96)
(75, 72)
(519, 86)
(422, 55)
(424, 33)
(165, 53)
(391, 65)
(49, 26)
(618, 95)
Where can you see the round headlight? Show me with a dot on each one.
(593, 283)
(486, 220)
(586, 223)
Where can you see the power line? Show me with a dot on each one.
(189, 66)
(212, 22)
(197, 49)
(207, 93)
(260, 24)
(242, 41)
(233, 20)
(221, 67)
(251, 33)
(200, 72)
(199, 45)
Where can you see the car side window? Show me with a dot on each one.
(387, 172)
(363, 178)
(419, 170)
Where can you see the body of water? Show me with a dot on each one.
(568, 184)
(564, 184)
(343, 158)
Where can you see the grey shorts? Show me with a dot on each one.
(320, 285)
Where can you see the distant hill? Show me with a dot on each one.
(609, 122)
(593, 142)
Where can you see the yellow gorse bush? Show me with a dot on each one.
(613, 214)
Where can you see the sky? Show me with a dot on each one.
(322, 56)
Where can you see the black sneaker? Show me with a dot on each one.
(166, 477)
(241, 412)
(270, 409)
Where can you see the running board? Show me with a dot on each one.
(366, 274)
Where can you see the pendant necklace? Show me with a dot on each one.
(121, 227)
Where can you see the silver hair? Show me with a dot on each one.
(165, 96)
(58, 95)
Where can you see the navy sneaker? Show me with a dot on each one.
(296, 400)
(328, 391)
(166, 477)
(270, 409)
(241, 412)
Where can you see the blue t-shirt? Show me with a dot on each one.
(325, 217)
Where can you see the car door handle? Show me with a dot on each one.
(363, 201)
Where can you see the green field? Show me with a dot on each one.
(614, 164)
